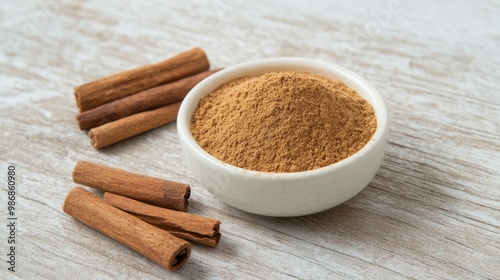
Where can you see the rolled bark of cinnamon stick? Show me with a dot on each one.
(124, 128)
(181, 224)
(155, 191)
(145, 100)
(158, 245)
(113, 87)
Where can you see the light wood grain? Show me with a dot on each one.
(432, 211)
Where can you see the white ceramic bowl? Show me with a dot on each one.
(284, 194)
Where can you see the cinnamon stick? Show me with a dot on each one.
(145, 100)
(155, 191)
(116, 131)
(158, 245)
(181, 224)
(110, 88)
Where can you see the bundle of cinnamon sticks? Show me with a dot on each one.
(144, 213)
(128, 103)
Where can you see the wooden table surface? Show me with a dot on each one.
(431, 212)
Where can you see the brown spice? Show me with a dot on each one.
(184, 225)
(155, 191)
(142, 101)
(283, 122)
(119, 85)
(124, 128)
(158, 245)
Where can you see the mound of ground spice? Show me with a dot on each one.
(283, 122)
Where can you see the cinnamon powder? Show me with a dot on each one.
(283, 122)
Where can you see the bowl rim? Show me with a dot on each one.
(199, 91)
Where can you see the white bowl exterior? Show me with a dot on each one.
(284, 194)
